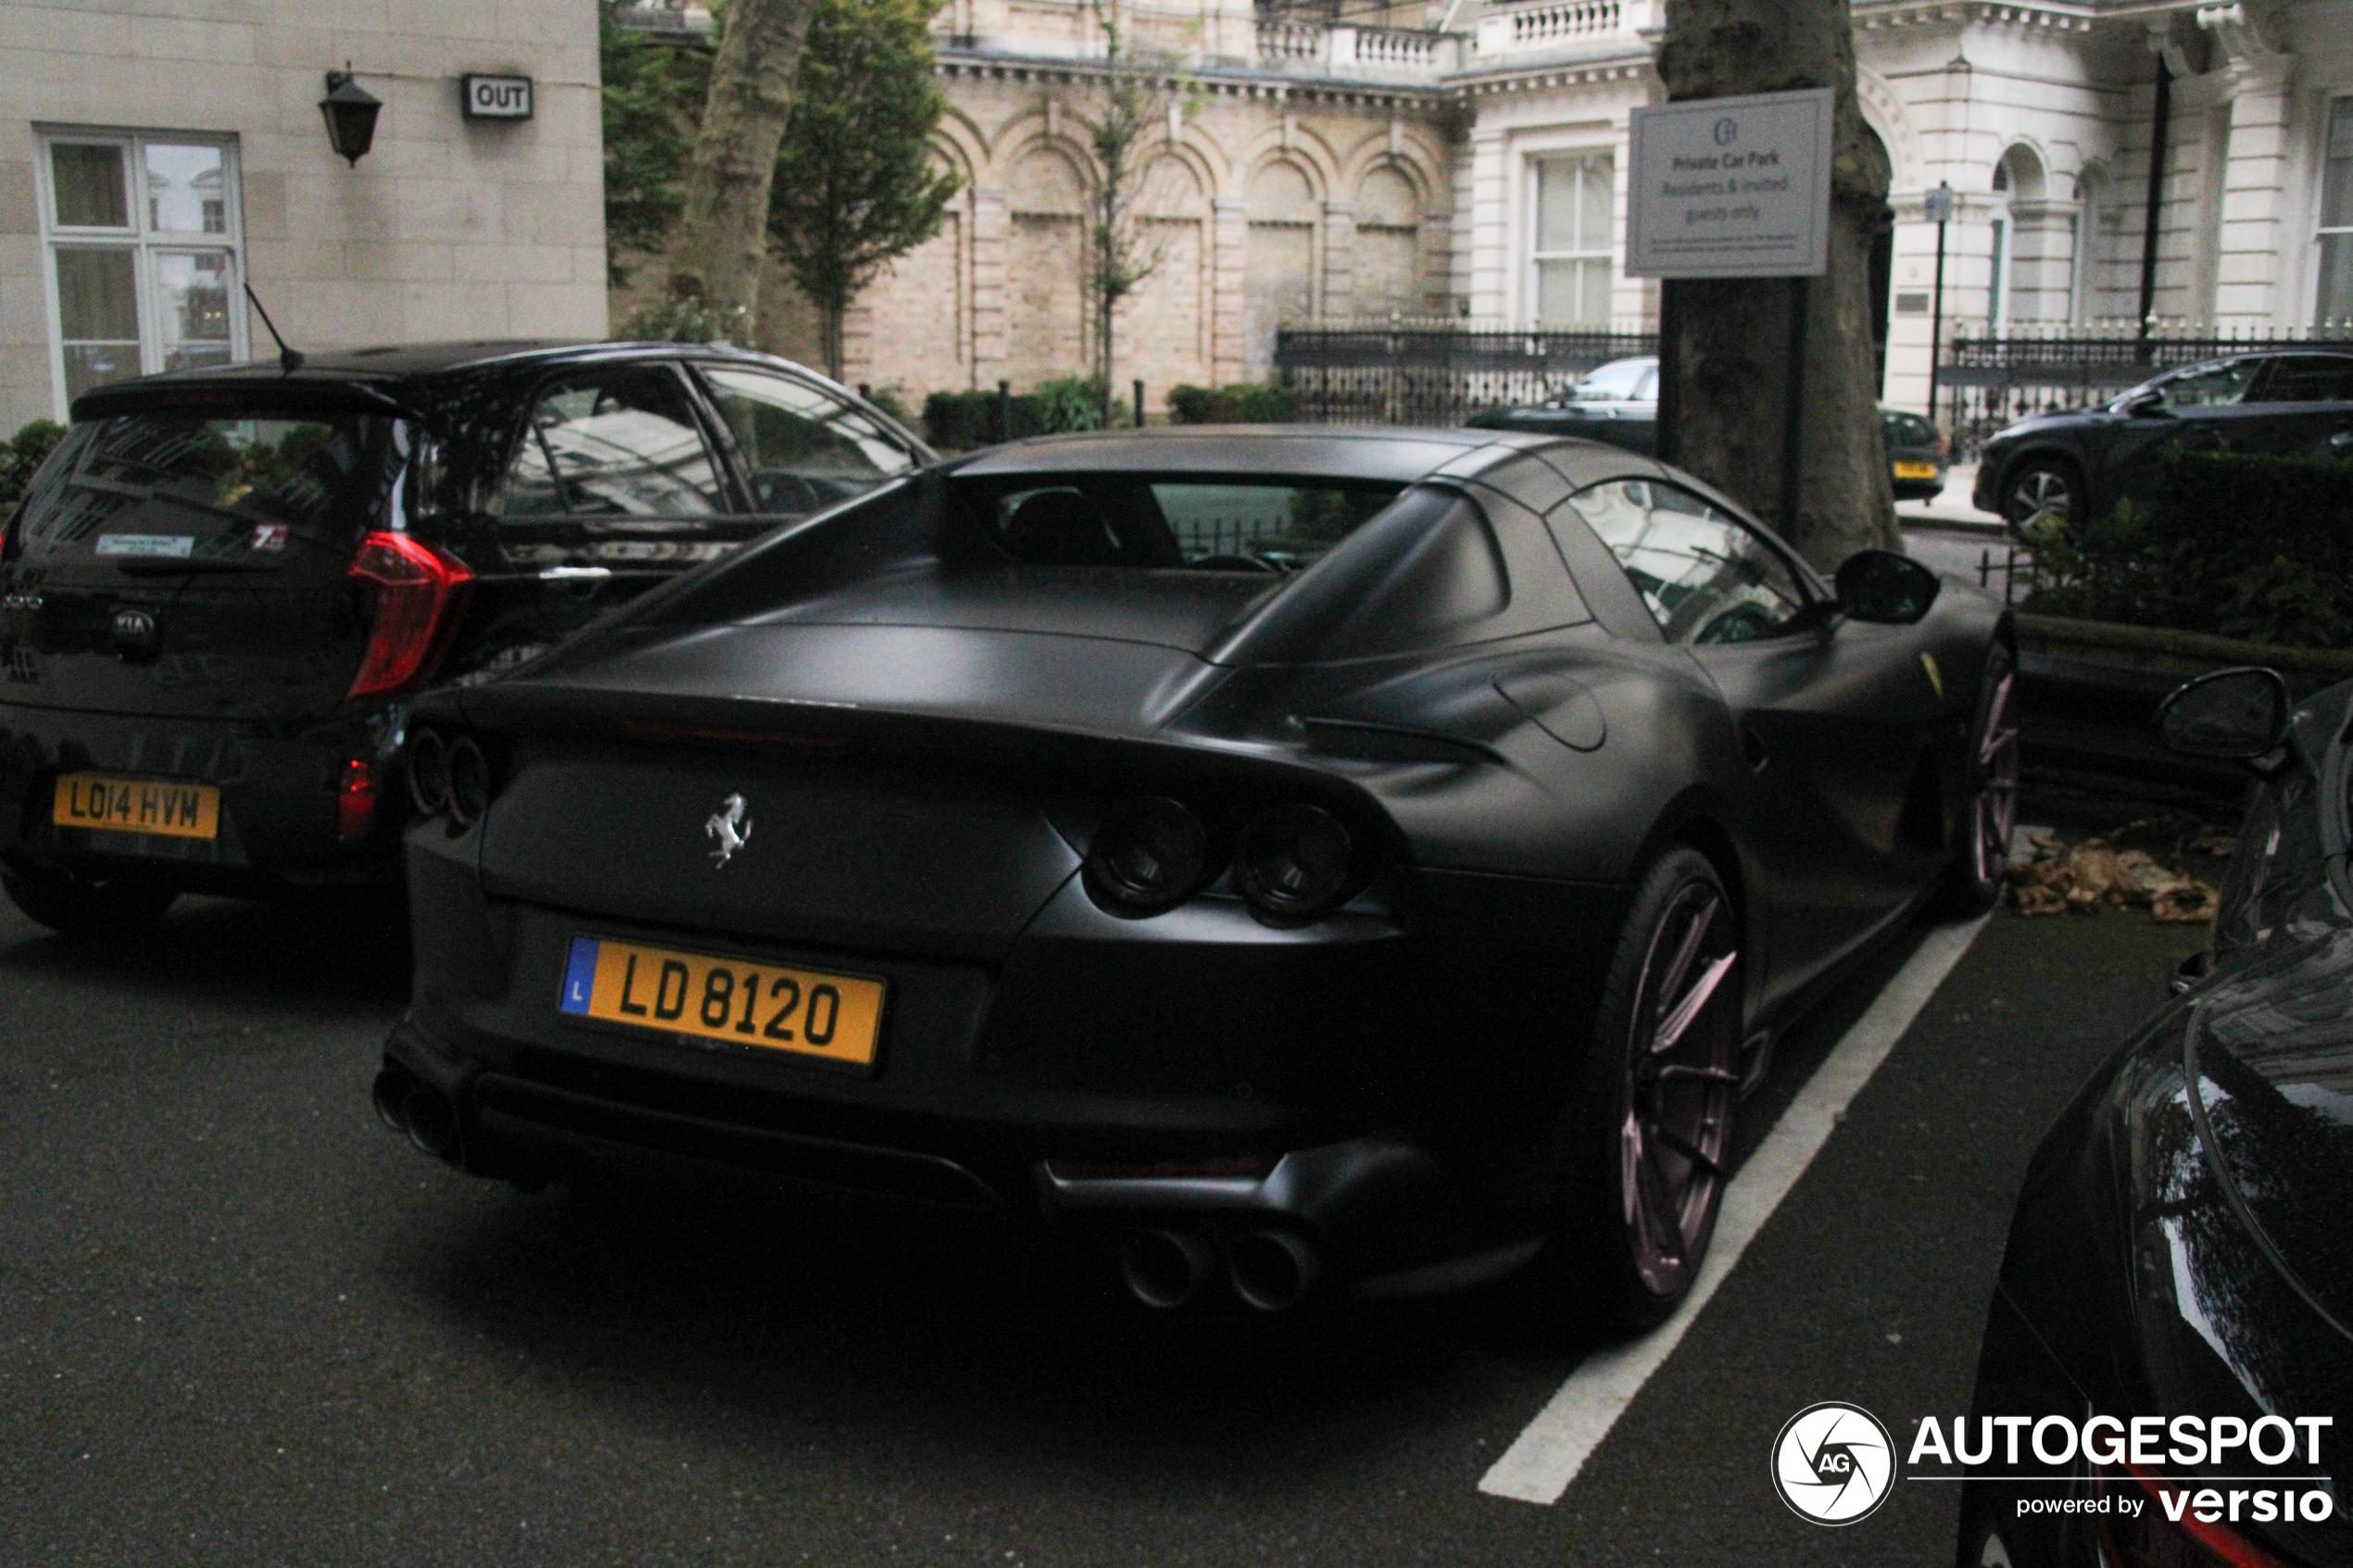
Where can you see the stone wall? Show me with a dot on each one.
(1266, 207)
(447, 229)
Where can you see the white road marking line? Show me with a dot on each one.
(1547, 1455)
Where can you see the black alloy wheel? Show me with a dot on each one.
(75, 907)
(1651, 1118)
(1982, 855)
(2042, 488)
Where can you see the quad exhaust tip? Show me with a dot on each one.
(388, 1096)
(1164, 1269)
(422, 1113)
(1271, 1270)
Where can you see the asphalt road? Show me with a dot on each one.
(241, 1324)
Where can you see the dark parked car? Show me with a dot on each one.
(1918, 455)
(1619, 403)
(2179, 1254)
(2077, 465)
(1256, 853)
(222, 592)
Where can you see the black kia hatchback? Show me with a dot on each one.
(222, 591)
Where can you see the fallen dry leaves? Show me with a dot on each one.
(2061, 878)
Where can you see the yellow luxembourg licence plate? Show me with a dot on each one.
(1916, 470)
(837, 1017)
(110, 805)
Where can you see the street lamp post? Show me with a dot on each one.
(1938, 205)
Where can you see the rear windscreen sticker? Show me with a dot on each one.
(174, 546)
(271, 536)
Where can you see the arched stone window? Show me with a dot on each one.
(1389, 238)
(2021, 241)
(1045, 306)
(1278, 264)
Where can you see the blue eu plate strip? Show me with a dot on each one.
(580, 974)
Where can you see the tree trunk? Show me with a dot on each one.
(725, 225)
(1732, 336)
(833, 316)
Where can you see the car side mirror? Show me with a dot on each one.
(2228, 715)
(2148, 405)
(1880, 585)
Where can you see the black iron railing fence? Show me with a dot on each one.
(1988, 381)
(1442, 375)
(1436, 376)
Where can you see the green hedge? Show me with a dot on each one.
(1244, 402)
(958, 421)
(2230, 544)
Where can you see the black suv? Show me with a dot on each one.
(222, 591)
(2077, 465)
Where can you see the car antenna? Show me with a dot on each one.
(289, 359)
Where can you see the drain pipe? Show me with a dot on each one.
(2158, 124)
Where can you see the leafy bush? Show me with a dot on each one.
(892, 400)
(686, 316)
(1244, 402)
(21, 456)
(1070, 403)
(2236, 545)
(958, 421)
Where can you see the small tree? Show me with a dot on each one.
(855, 187)
(653, 93)
(1119, 256)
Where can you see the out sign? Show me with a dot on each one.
(496, 97)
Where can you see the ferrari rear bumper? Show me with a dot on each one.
(1374, 1215)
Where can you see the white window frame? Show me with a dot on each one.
(2322, 229)
(1605, 253)
(140, 237)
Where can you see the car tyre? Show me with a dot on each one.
(73, 907)
(1649, 1121)
(2042, 487)
(1982, 850)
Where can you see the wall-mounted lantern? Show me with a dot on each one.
(350, 112)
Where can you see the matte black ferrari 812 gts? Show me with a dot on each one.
(1259, 855)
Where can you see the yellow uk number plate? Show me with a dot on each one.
(1916, 470)
(837, 1017)
(110, 805)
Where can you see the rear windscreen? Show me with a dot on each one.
(1209, 524)
(151, 491)
(1906, 429)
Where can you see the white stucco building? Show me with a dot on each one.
(1467, 158)
(158, 155)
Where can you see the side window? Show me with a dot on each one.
(2206, 386)
(1705, 575)
(2310, 378)
(803, 447)
(616, 443)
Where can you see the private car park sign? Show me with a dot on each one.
(1731, 187)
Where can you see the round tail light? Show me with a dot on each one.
(429, 773)
(469, 782)
(1147, 855)
(1294, 862)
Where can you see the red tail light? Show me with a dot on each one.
(2150, 1540)
(355, 799)
(417, 589)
